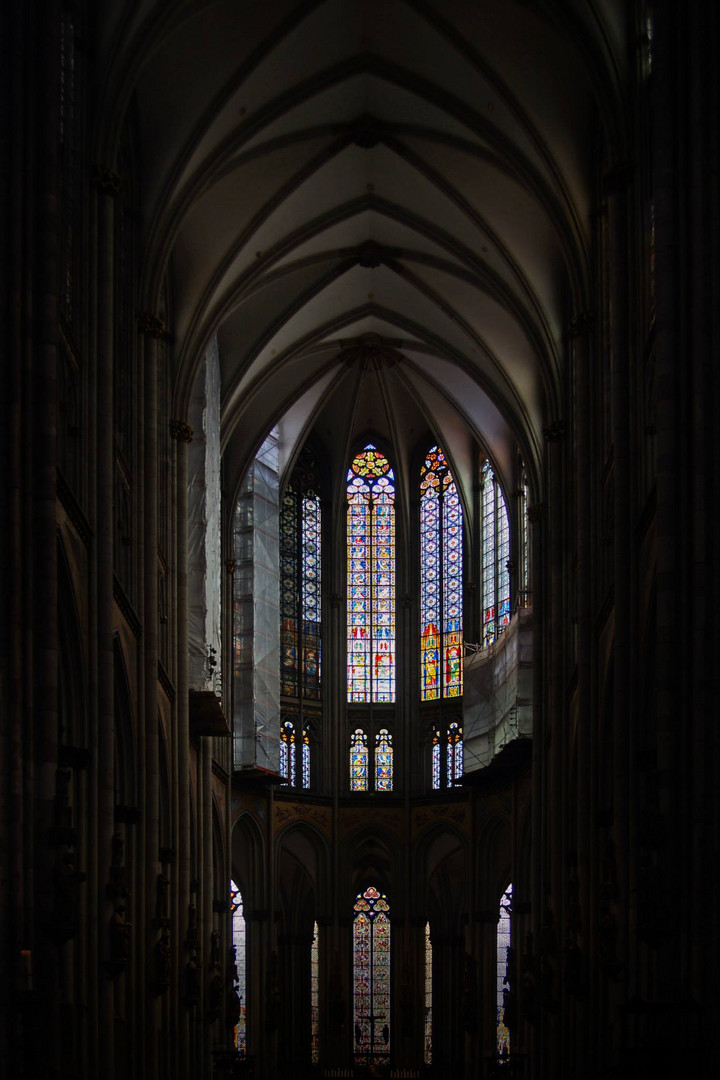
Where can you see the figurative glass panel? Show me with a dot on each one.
(495, 555)
(358, 761)
(428, 997)
(441, 573)
(371, 976)
(239, 945)
(383, 761)
(502, 946)
(315, 997)
(371, 578)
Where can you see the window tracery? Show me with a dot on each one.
(447, 755)
(371, 578)
(371, 976)
(495, 557)
(441, 570)
(503, 940)
(239, 944)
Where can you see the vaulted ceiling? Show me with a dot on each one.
(382, 208)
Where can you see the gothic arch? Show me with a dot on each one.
(126, 793)
(249, 860)
(72, 689)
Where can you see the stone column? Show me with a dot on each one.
(182, 433)
(152, 327)
(108, 187)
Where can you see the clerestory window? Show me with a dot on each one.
(495, 557)
(371, 578)
(441, 573)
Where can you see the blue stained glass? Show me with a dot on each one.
(300, 585)
(358, 761)
(383, 761)
(496, 554)
(441, 572)
(371, 577)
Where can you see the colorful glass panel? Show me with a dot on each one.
(315, 996)
(436, 761)
(287, 753)
(441, 572)
(358, 761)
(502, 946)
(300, 586)
(496, 554)
(239, 945)
(427, 1050)
(371, 976)
(454, 753)
(290, 759)
(305, 760)
(371, 578)
(383, 761)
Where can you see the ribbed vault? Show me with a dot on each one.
(378, 207)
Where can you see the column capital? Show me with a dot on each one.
(581, 324)
(181, 431)
(106, 180)
(153, 326)
(554, 431)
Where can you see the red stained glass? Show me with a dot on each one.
(371, 578)
(441, 571)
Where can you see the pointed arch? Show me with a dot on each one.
(371, 666)
(441, 580)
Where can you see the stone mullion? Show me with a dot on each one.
(585, 734)
(624, 705)
(103, 732)
(150, 750)
(41, 538)
(182, 818)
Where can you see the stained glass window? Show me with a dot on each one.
(359, 778)
(315, 997)
(502, 946)
(524, 541)
(383, 761)
(495, 557)
(371, 577)
(371, 977)
(428, 996)
(294, 765)
(441, 572)
(300, 585)
(447, 755)
(238, 937)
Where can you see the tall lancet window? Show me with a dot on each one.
(371, 976)
(238, 938)
(502, 947)
(294, 755)
(427, 1053)
(447, 755)
(495, 557)
(300, 584)
(315, 996)
(371, 577)
(441, 571)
